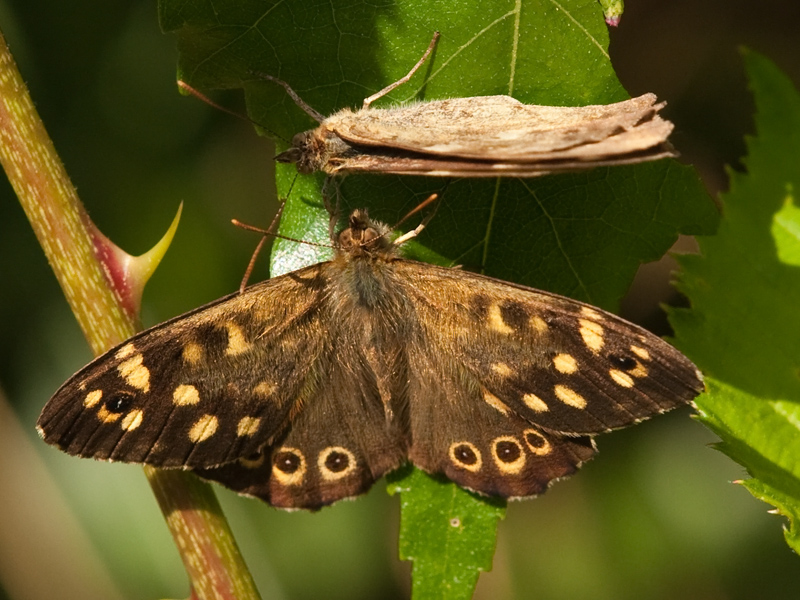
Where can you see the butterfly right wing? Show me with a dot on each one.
(523, 379)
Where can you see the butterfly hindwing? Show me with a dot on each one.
(459, 430)
(343, 440)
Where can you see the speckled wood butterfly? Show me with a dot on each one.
(306, 388)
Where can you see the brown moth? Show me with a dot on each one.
(306, 388)
(483, 136)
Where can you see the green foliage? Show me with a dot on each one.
(786, 231)
(447, 531)
(742, 330)
(583, 234)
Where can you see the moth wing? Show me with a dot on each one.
(527, 378)
(159, 398)
(500, 128)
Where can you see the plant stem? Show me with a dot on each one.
(69, 239)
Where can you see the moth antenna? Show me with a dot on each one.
(297, 99)
(402, 80)
(200, 96)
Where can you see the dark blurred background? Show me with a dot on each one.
(653, 517)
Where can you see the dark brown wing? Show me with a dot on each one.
(515, 380)
(199, 390)
(337, 447)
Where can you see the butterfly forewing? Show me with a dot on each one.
(566, 366)
(305, 389)
(202, 389)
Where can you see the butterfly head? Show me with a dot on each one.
(364, 237)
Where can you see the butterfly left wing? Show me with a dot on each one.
(523, 379)
(199, 390)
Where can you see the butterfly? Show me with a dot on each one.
(306, 388)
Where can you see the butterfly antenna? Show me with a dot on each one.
(200, 96)
(269, 231)
(416, 231)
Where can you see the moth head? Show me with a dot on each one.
(364, 236)
(302, 153)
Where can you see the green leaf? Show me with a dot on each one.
(763, 435)
(742, 329)
(786, 231)
(581, 234)
(448, 532)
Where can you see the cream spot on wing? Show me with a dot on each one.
(508, 455)
(92, 398)
(185, 395)
(107, 417)
(203, 428)
(494, 402)
(193, 353)
(496, 322)
(591, 313)
(252, 463)
(621, 378)
(126, 351)
(466, 456)
(642, 353)
(565, 363)
(536, 442)
(134, 372)
(265, 389)
(639, 371)
(539, 324)
(569, 396)
(236, 342)
(501, 369)
(288, 466)
(535, 403)
(592, 334)
(132, 420)
(336, 462)
(248, 426)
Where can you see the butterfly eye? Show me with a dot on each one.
(119, 402)
(626, 363)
